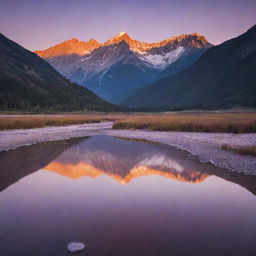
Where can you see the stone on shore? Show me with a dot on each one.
(75, 247)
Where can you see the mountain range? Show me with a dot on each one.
(116, 69)
(181, 72)
(27, 82)
(223, 77)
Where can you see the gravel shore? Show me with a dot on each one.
(22, 137)
(206, 146)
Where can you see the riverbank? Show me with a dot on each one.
(23, 137)
(206, 146)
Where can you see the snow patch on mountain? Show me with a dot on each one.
(161, 160)
(161, 61)
(121, 33)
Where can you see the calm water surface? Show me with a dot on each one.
(122, 197)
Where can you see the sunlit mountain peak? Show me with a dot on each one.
(122, 33)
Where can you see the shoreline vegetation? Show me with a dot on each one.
(212, 123)
(183, 121)
(39, 121)
(243, 150)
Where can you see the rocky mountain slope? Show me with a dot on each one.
(27, 82)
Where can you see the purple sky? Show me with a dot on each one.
(39, 24)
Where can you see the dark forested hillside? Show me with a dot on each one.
(27, 82)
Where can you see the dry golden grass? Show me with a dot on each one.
(36, 121)
(246, 150)
(231, 123)
(226, 122)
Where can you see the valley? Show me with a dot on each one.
(133, 143)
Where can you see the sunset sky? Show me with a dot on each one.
(39, 24)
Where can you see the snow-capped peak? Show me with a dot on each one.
(121, 34)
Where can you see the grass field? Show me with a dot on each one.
(36, 121)
(230, 123)
(226, 122)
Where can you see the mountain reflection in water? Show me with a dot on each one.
(124, 160)
(120, 159)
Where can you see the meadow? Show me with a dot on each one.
(189, 122)
(37, 121)
(226, 122)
